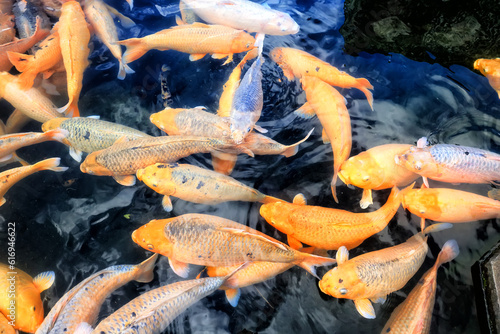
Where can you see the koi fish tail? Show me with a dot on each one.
(135, 49)
(124, 69)
(294, 148)
(364, 85)
(50, 164)
(223, 162)
(19, 60)
(448, 253)
(70, 109)
(57, 134)
(270, 199)
(334, 186)
(437, 227)
(309, 262)
(144, 269)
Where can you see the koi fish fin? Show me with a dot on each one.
(426, 182)
(449, 252)
(342, 255)
(259, 128)
(70, 109)
(270, 199)
(45, 75)
(294, 148)
(233, 296)
(180, 268)
(16, 121)
(492, 157)
(75, 154)
(437, 228)
(2, 201)
(316, 251)
(300, 199)
(364, 85)
(379, 300)
(222, 56)
(243, 149)
(223, 162)
(83, 328)
(310, 262)
(19, 60)
(125, 21)
(57, 134)
(44, 280)
(333, 185)
(145, 269)
(294, 243)
(50, 164)
(20, 160)
(366, 199)
(167, 203)
(259, 42)
(131, 4)
(288, 74)
(305, 111)
(422, 142)
(3, 129)
(422, 223)
(244, 233)
(6, 158)
(94, 117)
(197, 56)
(365, 308)
(324, 137)
(123, 70)
(125, 180)
(135, 49)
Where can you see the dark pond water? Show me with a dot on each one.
(76, 224)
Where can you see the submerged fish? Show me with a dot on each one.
(83, 302)
(375, 169)
(5, 327)
(332, 112)
(12, 176)
(327, 228)
(450, 205)
(297, 64)
(154, 310)
(125, 158)
(214, 241)
(245, 15)
(490, 68)
(198, 185)
(27, 314)
(372, 276)
(89, 134)
(415, 313)
(74, 37)
(452, 163)
(196, 39)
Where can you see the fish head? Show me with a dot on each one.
(152, 237)
(29, 309)
(362, 172)
(165, 120)
(283, 24)
(92, 166)
(418, 160)
(240, 127)
(342, 282)
(158, 177)
(277, 55)
(276, 214)
(423, 202)
(243, 42)
(53, 123)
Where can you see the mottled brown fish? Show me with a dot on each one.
(10, 143)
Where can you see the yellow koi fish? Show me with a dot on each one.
(490, 68)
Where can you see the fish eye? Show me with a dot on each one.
(151, 247)
(33, 308)
(248, 45)
(418, 165)
(343, 291)
(366, 178)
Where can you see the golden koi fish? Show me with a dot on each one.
(327, 228)
(213, 241)
(82, 303)
(89, 134)
(332, 112)
(12, 176)
(375, 169)
(415, 313)
(490, 68)
(197, 39)
(125, 158)
(372, 276)
(198, 185)
(27, 314)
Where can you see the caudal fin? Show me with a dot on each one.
(70, 109)
(364, 85)
(145, 272)
(448, 253)
(135, 49)
(123, 70)
(294, 148)
(309, 262)
(50, 164)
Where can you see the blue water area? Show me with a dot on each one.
(76, 224)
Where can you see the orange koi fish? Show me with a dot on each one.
(74, 37)
(46, 58)
(30, 102)
(197, 39)
(297, 64)
(490, 68)
(213, 241)
(5, 327)
(415, 313)
(327, 228)
(125, 158)
(12, 176)
(375, 169)
(21, 45)
(28, 312)
(372, 276)
(10, 143)
(332, 112)
(198, 185)
(99, 15)
(16, 121)
(89, 134)
(83, 302)
(450, 205)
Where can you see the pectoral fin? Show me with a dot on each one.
(259, 129)
(379, 300)
(44, 280)
(342, 255)
(324, 137)
(365, 308)
(166, 203)
(294, 243)
(366, 199)
(75, 154)
(180, 268)
(195, 57)
(233, 296)
(125, 180)
(305, 111)
(300, 199)
(6, 158)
